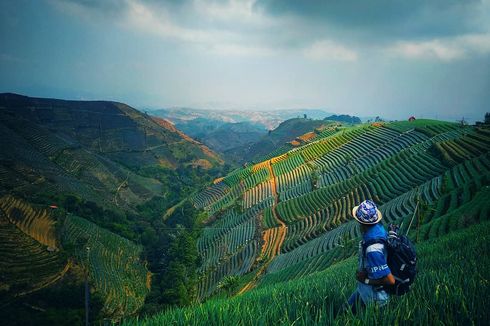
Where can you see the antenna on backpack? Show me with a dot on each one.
(414, 212)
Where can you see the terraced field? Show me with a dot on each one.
(37, 223)
(457, 295)
(289, 216)
(30, 243)
(113, 264)
(26, 265)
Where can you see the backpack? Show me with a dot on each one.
(402, 260)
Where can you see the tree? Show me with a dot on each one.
(228, 283)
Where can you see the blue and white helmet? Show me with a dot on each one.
(367, 213)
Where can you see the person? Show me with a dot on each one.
(373, 272)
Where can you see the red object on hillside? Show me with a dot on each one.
(53, 206)
(412, 118)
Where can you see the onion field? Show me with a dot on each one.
(289, 216)
(451, 289)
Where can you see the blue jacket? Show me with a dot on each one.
(374, 260)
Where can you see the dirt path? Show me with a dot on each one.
(274, 248)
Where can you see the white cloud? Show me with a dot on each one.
(230, 49)
(234, 11)
(219, 42)
(159, 22)
(329, 50)
(449, 49)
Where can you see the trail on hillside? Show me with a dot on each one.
(273, 237)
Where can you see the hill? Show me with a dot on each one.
(61, 146)
(98, 174)
(242, 136)
(344, 118)
(287, 218)
(184, 118)
(287, 135)
(232, 135)
(244, 142)
(317, 299)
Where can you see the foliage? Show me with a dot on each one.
(176, 260)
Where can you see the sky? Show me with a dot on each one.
(392, 58)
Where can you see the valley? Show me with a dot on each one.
(154, 220)
(244, 162)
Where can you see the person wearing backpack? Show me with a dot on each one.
(373, 270)
(386, 261)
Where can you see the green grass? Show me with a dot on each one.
(451, 288)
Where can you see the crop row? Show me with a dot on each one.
(384, 181)
(469, 145)
(341, 169)
(321, 147)
(221, 195)
(25, 265)
(398, 210)
(379, 141)
(277, 152)
(331, 216)
(421, 124)
(237, 264)
(393, 211)
(210, 195)
(226, 200)
(113, 263)
(290, 162)
(46, 143)
(257, 194)
(299, 189)
(36, 223)
(473, 207)
(228, 243)
(258, 175)
(17, 149)
(293, 178)
(268, 219)
(223, 224)
(237, 176)
(329, 131)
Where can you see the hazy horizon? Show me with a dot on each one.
(387, 58)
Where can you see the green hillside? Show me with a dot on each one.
(89, 173)
(289, 134)
(452, 284)
(289, 216)
(105, 152)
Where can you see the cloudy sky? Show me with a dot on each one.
(382, 57)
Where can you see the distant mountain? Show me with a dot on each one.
(269, 119)
(287, 131)
(344, 118)
(218, 135)
(232, 135)
(198, 128)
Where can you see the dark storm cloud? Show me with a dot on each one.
(118, 6)
(106, 6)
(384, 18)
